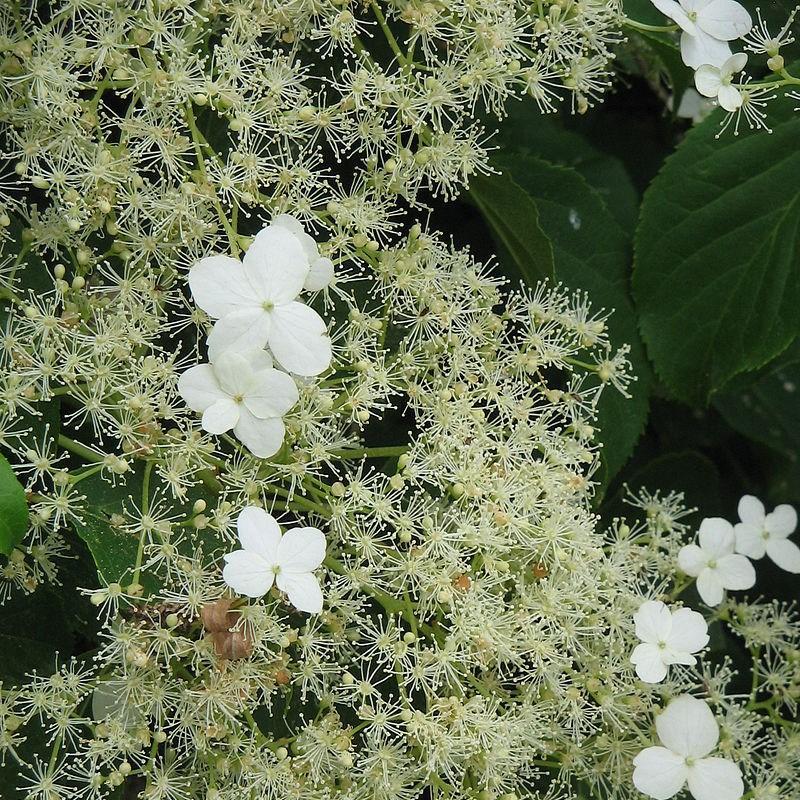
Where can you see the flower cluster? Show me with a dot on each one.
(707, 28)
(389, 582)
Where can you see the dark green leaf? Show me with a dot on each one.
(514, 221)
(717, 275)
(766, 407)
(529, 132)
(13, 509)
(591, 253)
(32, 629)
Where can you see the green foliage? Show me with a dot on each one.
(591, 252)
(33, 628)
(13, 509)
(766, 407)
(717, 270)
(514, 222)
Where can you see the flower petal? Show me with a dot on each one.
(299, 339)
(709, 587)
(674, 11)
(750, 540)
(715, 779)
(724, 19)
(687, 727)
(659, 773)
(271, 394)
(736, 572)
(716, 537)
(199, 387)
(276, 265)
(785, 554)
(242, 331)
(320, 275)
(692, 560)
(303, 590)
(221, 416)
(301, 550)
(700, 48)
(259, 533)
(650, 666)
(751, 510)
(219, 286)
(295, 227)
(782, 521)
(653, 621)
(262, 437)
(729, 97)
(247, 573)
(689, 631)
(233, 372)
(707, 80)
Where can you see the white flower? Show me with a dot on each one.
(708, 26)
(243, 392)
(289, 560)
(693, 106)
(667, 638)
(714, 563)
(255, 303)
(689, 732)
(760, 533)
(716, 82)
(320, 273)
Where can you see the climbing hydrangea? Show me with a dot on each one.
(336, 475)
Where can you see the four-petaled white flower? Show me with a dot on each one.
(667, 638)
(689, 732)
(714, 563)
(708, 26)
(255, 303)
(717, 82)
(760, 533)
(241, 391)
(320, 272)
(267, 557)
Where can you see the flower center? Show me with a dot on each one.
(268, 305)
(765, 534)
(276, 568)
(692, 15)
(237, 398)
(662, 645)
(712, 564)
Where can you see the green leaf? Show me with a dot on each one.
(514, 221)
(114, 549)
(13, 509)
(717, 268)
(766, 407)
(591, 253)
(529, 132)
(32, 629)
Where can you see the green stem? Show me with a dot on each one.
(641, 26)
(148, 468)
(80, 450)
(371, 452)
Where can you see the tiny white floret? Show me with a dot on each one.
(714, 563)
(759, 534)
(688, 732)
(267, 557)
(668, 637)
